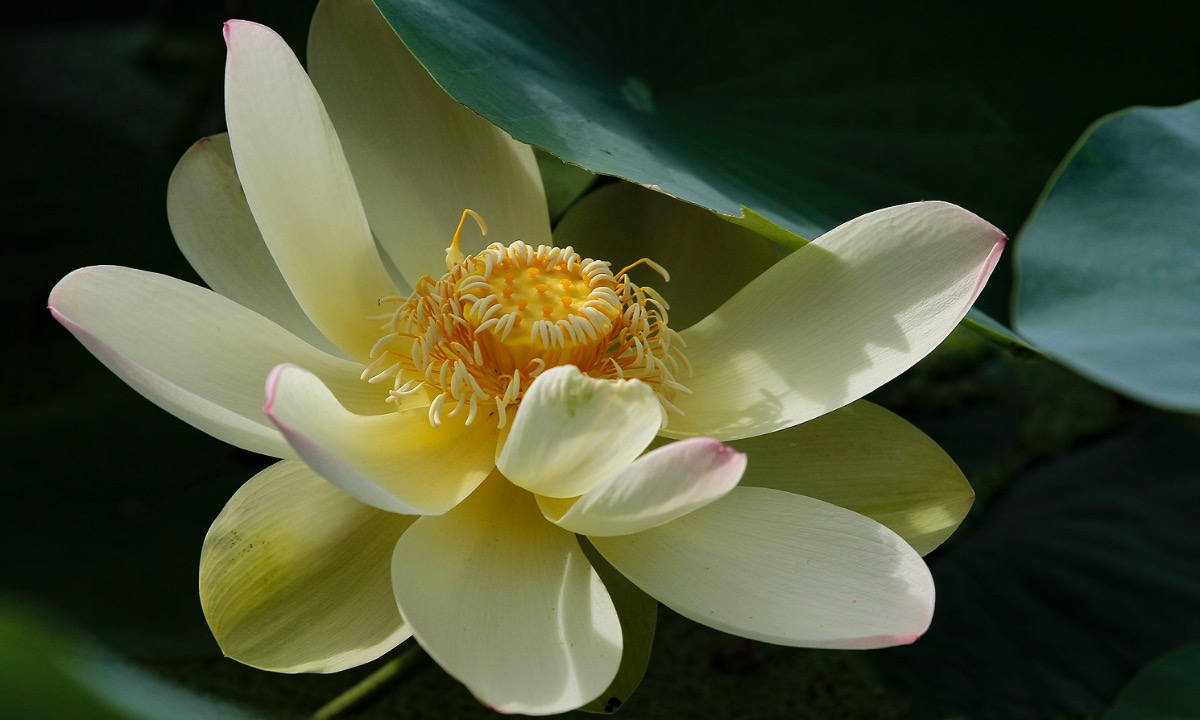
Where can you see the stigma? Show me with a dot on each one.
(476, 337)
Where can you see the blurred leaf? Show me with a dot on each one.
(1109, 263)
(1167, 689)
(47, 673)
(1079, 574)
(808, 113)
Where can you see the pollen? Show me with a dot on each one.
(476, 337)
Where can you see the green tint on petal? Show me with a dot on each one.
(573, 431)
(866, 459)
(638, 613)
(295, 575)
(834, 320)
(709, 258)
(215, 229)
(419, 158)
(1109, 263)
(508, 604)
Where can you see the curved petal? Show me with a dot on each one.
(834, 320)
(658, 487)
(782, 568)
(396, 461)
(864, 458)
(300, 190)
(572, 431)
(709, 258)
(295, 575)
(194, 353)
(508, 604)
(215, 229)
(419, 157)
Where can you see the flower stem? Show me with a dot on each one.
(372, 686)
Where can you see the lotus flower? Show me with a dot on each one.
(451, 421)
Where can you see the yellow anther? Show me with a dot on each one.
(649, 263)
(566, 301)
(533, 272)
(454, 254)
(547, 310)
(541, 288)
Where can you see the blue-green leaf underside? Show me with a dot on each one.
(1109, 264)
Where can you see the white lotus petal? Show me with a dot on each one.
(573, 431)
(508, 604)
(864, 458)
(396, 461)
(419, 157)
(295, 575)
(215, 229)
(194, 353)
(299, 188)
(782, 568)
(834, 320)
(658, 487)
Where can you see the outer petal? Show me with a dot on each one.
(216, 231)
(299, 187)
(508, 603)
(835, 319)
(294, 575)
(194, 353)
(572, 431)
(709, 258)
(868, 460)
(419, 158)
(395, 461)
(658, 487)
(782, 568)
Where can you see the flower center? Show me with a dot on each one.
(478, 336)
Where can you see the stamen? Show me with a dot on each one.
(501, 317)
(454, 255)
(474, 409)
(385, 374)
(435, 410)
